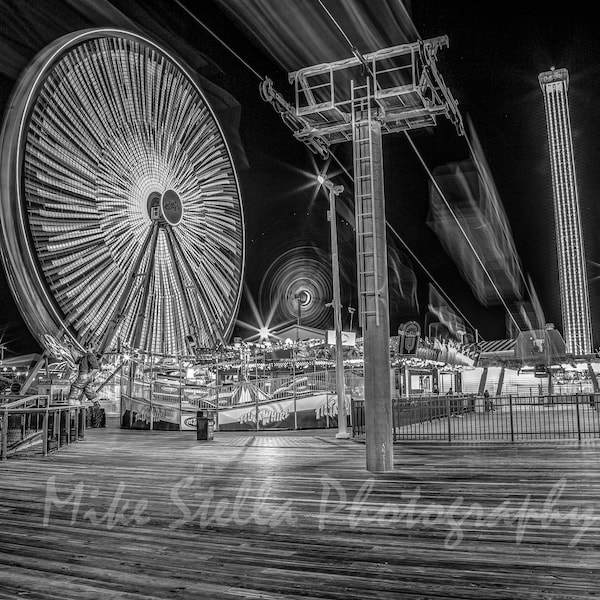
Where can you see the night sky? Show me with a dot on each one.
(495, 53)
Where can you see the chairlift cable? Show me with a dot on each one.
(187, 10)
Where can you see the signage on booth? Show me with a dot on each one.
(408, 338)
(348, 338)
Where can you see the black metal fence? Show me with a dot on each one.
(508, 418)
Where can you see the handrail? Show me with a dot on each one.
(60, 426)
(19, 401)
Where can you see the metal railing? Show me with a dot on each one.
(30, 422)
(511, 418)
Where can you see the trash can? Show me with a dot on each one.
(205, 427)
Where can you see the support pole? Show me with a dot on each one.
(337, 317)
(373, 283)
(4, 435)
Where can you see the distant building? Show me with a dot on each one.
(574, 296)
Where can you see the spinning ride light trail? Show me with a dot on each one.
(122, 215)
(300, 272)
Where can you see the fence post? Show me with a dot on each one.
(4, 436)
(56, 427)
(45, 433)
(578, 421)
(68, 424)
(512, 432)
(448, 417)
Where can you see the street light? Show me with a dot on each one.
(336, 190)
(300, 299)
(351, 311)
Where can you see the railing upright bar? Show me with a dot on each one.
(512, 430)
(449, 418)
(68, 425)
(56, 428)
(45, 432)
(578, 419)
(4, 435)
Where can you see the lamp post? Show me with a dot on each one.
(351, 311)
(300, 298)
(336, 190)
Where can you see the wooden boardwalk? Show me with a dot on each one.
(143, 515)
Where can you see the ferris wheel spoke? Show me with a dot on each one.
(190, 313)
(141, 313)
(208, 312)
(118, 310)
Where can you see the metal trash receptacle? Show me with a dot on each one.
(204, 427)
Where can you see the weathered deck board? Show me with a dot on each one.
(161, 515)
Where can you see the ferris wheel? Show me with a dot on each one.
(121, 211)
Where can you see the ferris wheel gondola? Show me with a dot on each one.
(121, 210)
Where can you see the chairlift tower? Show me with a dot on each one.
(358, 100)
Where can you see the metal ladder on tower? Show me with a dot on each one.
(366, 241)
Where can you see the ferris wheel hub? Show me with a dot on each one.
(166, 207)
(171, 207)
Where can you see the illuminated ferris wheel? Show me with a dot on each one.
(121, 211)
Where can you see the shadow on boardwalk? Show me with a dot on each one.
(132, 514)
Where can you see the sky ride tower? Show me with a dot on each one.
(572, 274)
(358, 100)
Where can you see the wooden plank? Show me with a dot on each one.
(132, 514)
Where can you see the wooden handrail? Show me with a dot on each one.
(46, 431)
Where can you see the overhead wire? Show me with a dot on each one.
(189, 12)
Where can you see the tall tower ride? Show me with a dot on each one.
(572, 274)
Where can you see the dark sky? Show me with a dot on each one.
(495, 53)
